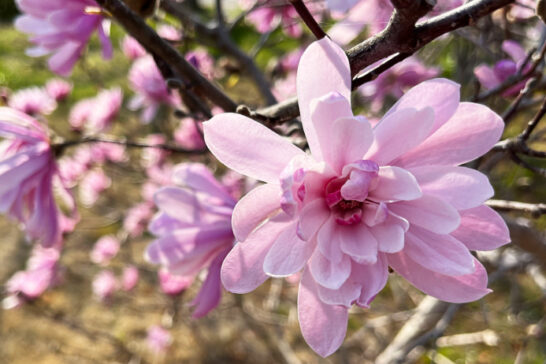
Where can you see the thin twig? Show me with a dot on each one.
(535, 209)
(308, 19)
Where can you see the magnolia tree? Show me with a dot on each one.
(341, 150)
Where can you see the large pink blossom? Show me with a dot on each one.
(62, 27)
(364, 199)
(27, 173)
(194, 230)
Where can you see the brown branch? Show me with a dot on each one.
(400, 37)
(535, 209)
(154, 44)
(308, 19)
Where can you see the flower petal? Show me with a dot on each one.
(428, 212)
(470, 133)
(482, 228)
(327, 273)
(458, 289)
(328, 241)
(248, 147)
(323, 326)
(312, 216)
(372, 277)
(390, 234)
(358, 242)
(328, 60)
(242, 270)
(288, 255)
(394, 184)
(439, 253)
(399, 132)
(462, 187)
(441, 94)
(255, 207)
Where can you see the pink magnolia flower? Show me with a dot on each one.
(58, 89)
(194, 230)
(104, 285)
(129, 278)
(41, 273)
(151, 90)
(158, 340)
(173, 284)
(32, 101)
(132, 48)
(201, 59)
(27, 173)
(396, 80)
(491, 77)
(137, 218)
(363, 200)
(92, 185)
(188, 136)
(169, 32)
(62, 27)
(97, 113)
(104, 250)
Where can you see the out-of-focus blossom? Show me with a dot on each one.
(137, 218)
(375, 15)
(187, 135)
(32, 101)
(363, 200)
(129, 278)
(396, 80)
(173, 284)
(131, 48)
(104, 250)
(62, 27)
(102, 152)
(104, 285)
(97, 113)
(169, 32)
(92, 185)
(201, 59)
(285, 88)
(150, 88)
(491, 77)
(158, 340)
(290, 61)
(523, 9)
(235, 184)
(154, 156)
(58, 89)
(194, 230)
(40, 274)
(270, 14)
(27, 172)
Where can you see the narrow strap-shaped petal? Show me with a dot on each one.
(482, 228)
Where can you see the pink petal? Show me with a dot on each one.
(441, 94)
(313, 215)
(458, 289)
(439, 253)
(254, 208)
(327, 273)
(343, 296)
(372, 277)
(242, 270)
(200, 178)
(390, 234)
(482, 228)
(514, 50)
(395, 183)
(470, 133)
(328, 241)
(288, 255)
(248, 147)
(211, 291)
(399, 132)
(178, 203)
(358, 242)
(328, 60)
(323, 326)
(486, 76)
(65, 57)
(462, 187)
(429, 212)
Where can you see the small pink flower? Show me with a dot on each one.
(102, 152)
(104, 250)
(32, 101)
(285, 88)
(62, 27)
(491, 77)
(173, 284)
(97, 113)
(201, 59)
(92, 185)
(169, 32)
(27, 173)
(158, 340)
(194, 230)
(364, 199)
(137, 218)
(154, 156)
(104, 285)
(188, 136)
(132, 48)
(150, 88)
(129, 278)
(58, 89)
